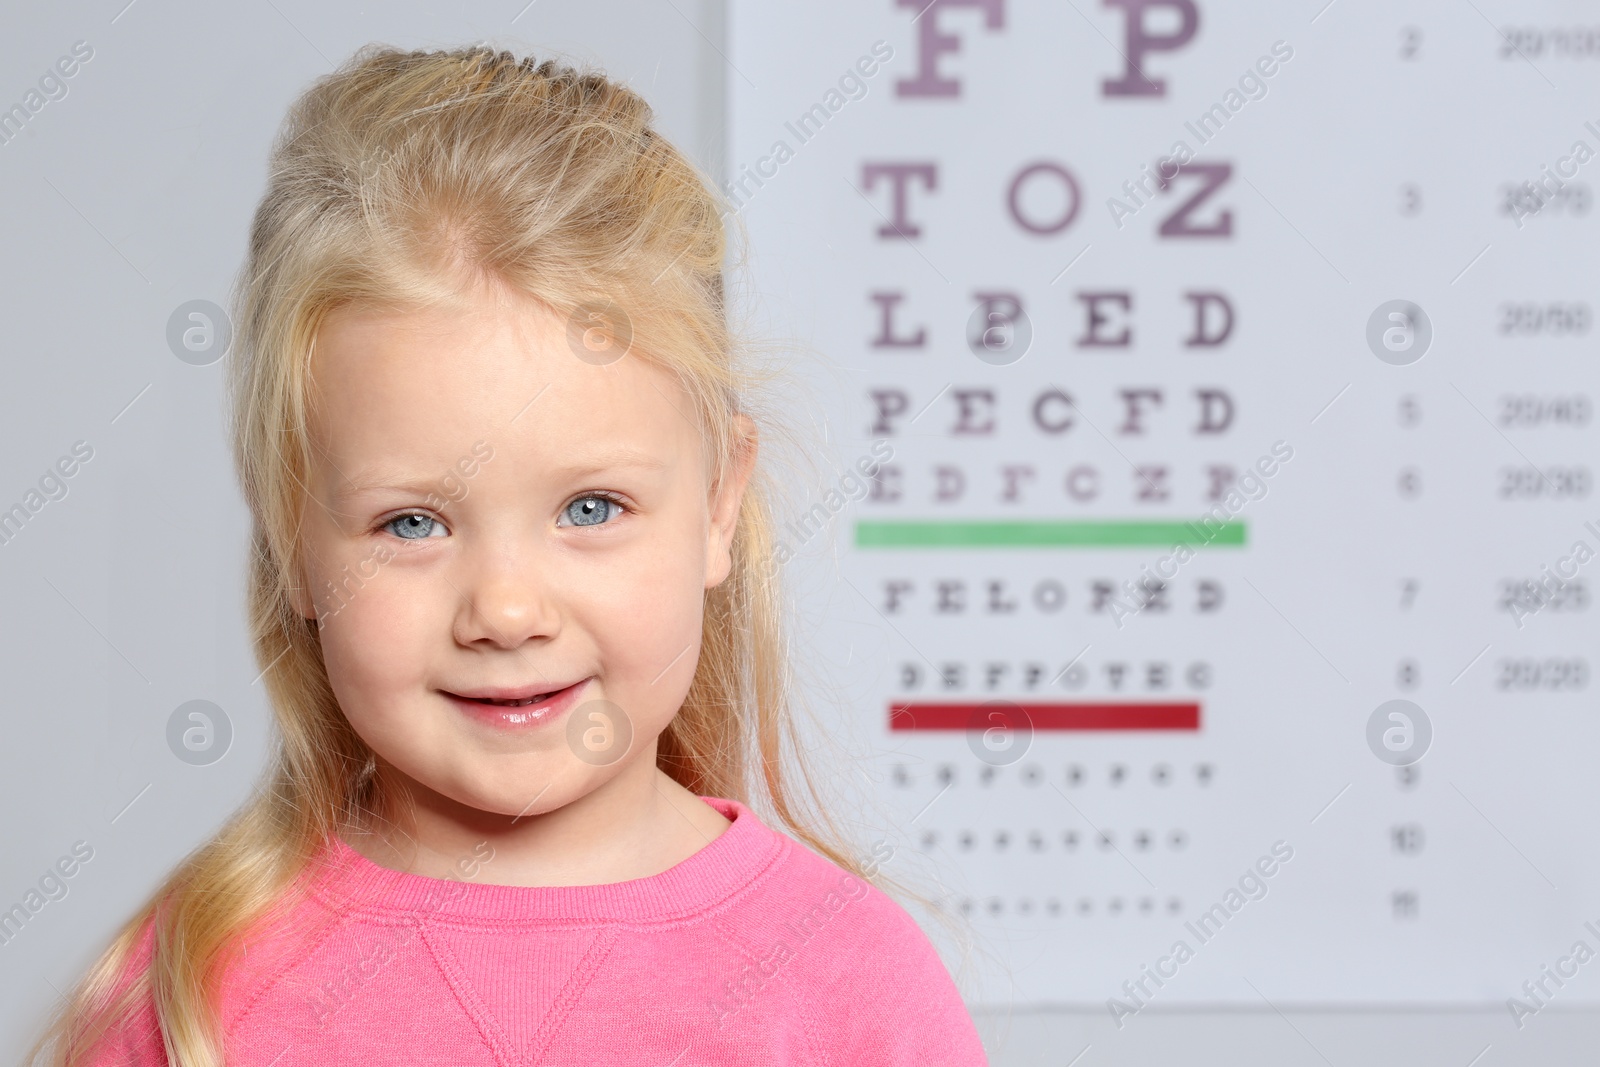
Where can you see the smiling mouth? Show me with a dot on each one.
(524, 701)
(517, 707)
(541, 698)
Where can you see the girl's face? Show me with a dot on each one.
(492, 515)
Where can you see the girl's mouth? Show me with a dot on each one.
(514, 713)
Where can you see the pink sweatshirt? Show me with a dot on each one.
(754, 950)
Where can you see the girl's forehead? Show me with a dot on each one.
(478, 315)
(427, 381)
(479, 348)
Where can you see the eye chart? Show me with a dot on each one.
(1220, 607)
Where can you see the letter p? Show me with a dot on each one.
(1141, 40)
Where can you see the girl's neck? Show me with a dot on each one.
(636, 824)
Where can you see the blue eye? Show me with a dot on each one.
(413, 527)
(592, 509)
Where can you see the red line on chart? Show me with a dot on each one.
(1054, 715)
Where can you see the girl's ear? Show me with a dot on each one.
(725, 502)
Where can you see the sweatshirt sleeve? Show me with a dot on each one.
(896, 1004)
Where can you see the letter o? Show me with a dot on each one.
(1016, 188)
(1049, 595)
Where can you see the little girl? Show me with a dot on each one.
(514, 591)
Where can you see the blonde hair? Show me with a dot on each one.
(394, 182)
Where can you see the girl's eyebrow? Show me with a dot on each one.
(380, 481)
(388, 478)
(616, 459)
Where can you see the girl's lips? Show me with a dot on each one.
(523, 717)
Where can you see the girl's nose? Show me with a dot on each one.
(504, 603)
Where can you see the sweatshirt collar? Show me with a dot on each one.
(352, 883)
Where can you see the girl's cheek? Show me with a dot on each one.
(382, 612)
(370, 655)
(393, 604)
